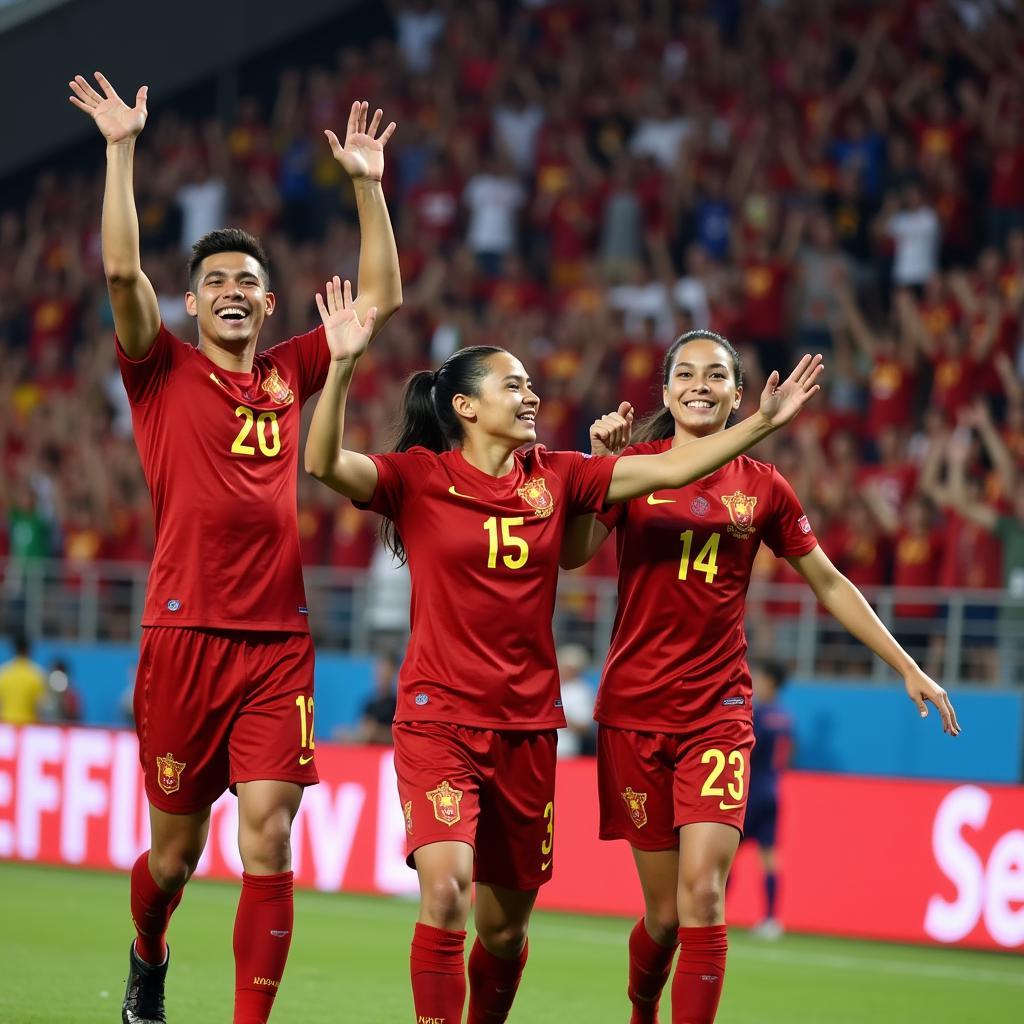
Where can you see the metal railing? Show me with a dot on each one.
(956, 635)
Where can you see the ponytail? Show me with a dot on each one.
(428, 419)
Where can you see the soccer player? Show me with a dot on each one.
(223, 695)
(673, 707)
(773, 746)
(481, 522)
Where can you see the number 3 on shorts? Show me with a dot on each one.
(718, 761)
(549, 838)
(305, 729)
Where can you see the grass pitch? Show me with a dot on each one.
(64, 947)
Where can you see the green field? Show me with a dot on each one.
(64, 943)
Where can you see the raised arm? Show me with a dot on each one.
(635, 475)
(350, 473)
(362, 157)
(132, 298)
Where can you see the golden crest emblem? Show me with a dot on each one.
(278, 389)
(168, 773)
(536, 494)
(741, 511)
(635, 804)
(446, 802)
(408, 816)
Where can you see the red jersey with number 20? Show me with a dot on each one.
(219, 450)
(483, 557)
(677, 659)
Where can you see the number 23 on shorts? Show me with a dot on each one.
(735, 764)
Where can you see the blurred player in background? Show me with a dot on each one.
(773, 748)
(674, 704)
(224, 691)
(22, 685)
(482, 523)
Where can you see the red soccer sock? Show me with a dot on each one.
(649, 967)
(438, 968)
(492, 984)
(151, 912)
(697, 985)
(263, 934)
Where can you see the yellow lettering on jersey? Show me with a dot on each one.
(268, 446)
(508, 539)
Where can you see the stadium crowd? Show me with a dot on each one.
(580, 183)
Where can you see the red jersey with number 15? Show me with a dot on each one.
(677, 659)
(483, 557)
(219, 450)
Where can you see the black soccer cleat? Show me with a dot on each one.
(144, 994)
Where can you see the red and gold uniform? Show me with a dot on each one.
(675, 699)
(225, 681)
(478, 692)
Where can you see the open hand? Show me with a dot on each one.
(921, 688)
(115, 119)
(362, 156)
(611, 433)
(781, 402)
(347, 338)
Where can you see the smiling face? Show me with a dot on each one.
(230, 300)
(505, 407)
(702, 391)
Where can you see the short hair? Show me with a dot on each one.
(21, 644)
(227, 240)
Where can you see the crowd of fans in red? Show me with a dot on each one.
(580, 182)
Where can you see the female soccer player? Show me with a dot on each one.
(482, 525)
(674, 705)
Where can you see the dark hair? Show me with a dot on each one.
(775, 670)
(227, 240)
(20, 643)
(658, 425)
(428, 419)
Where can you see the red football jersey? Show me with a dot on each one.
(483, 557)
(677, 657)
(219, 450)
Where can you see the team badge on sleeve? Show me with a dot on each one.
(804, 523)
(536, 494)
(278, 389)
(635, 804)
(741, 511)
(168, 773)
(446, 802)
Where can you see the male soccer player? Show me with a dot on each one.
(773, 733)
(223, 695)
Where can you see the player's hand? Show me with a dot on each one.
(347, 338)
(362, 156)
(781, 402)
(921, 688)
(115, 119)
(611, 433)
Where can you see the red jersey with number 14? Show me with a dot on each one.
(219, 450)
(677, 659)
(483, 557)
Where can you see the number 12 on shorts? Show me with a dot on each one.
(305, 705)
(719, 761)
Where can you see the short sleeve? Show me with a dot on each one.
(586, 480)
(310, 356)
(143, 378)
(398, 475)
(788, 533)
(613, 515)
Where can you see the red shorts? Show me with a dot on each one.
(493, 790)
(653, 783)
(214, 709)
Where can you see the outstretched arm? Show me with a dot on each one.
(362, 157)
(132, 298)
(350, 473)
(850, 608)
(635, 475)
